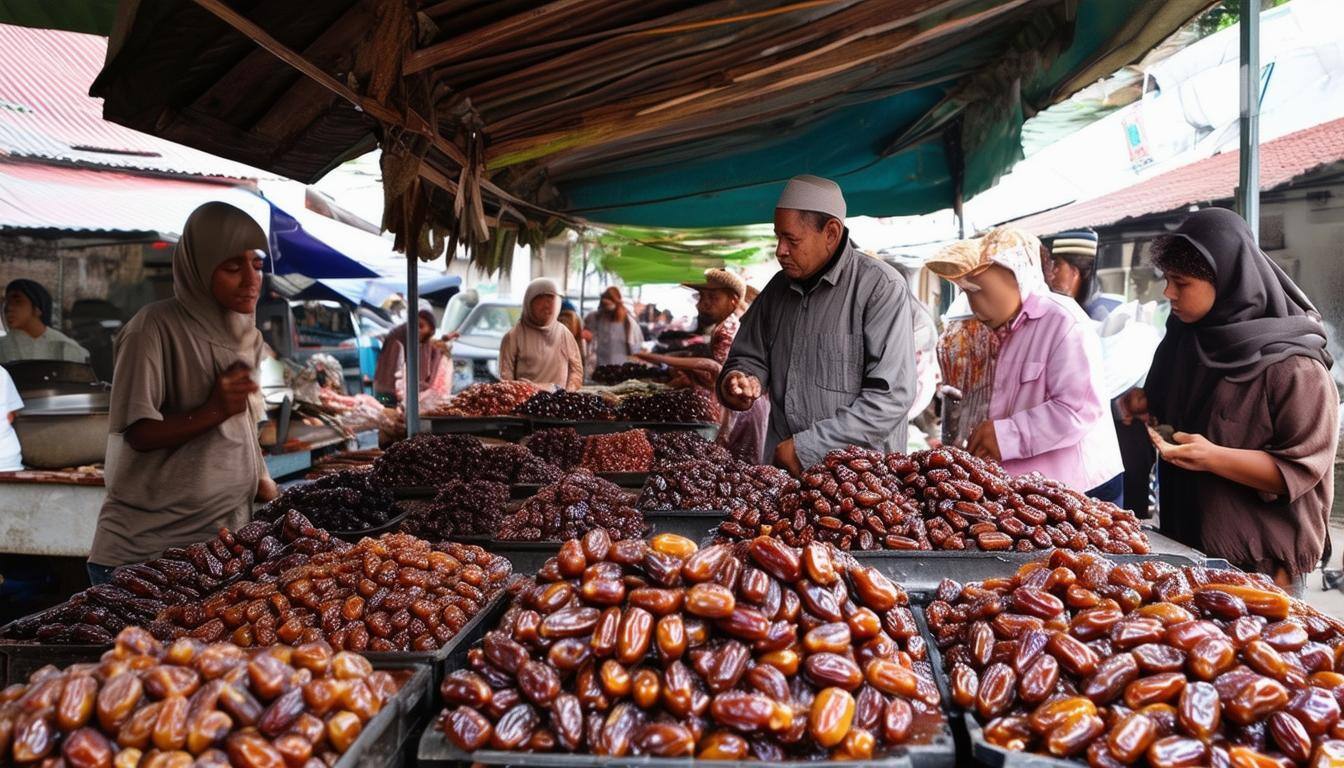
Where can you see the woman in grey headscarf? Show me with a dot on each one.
(183, 458)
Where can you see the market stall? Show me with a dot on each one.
(922, 610)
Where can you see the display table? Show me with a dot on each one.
(49, 513)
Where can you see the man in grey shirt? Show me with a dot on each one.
(829, 339)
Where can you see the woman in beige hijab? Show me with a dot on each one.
(183, 458)
(539, 349)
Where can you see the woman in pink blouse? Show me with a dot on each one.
(1046, 410)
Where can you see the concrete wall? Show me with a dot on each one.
(128, 275)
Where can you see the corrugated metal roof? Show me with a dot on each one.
(40, 199)
(47, 113)
(1214, 178)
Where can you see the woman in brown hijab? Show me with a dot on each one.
(1242, 378)
(183, 458)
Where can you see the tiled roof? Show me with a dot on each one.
(1214, 178)
(46, 112)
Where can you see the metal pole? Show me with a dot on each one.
(583, 279)
(412, 345)
(1248, 191)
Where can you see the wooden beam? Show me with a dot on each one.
(473, 40)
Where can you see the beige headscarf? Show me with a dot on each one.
(216, 232)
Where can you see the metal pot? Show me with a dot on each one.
(65, 413)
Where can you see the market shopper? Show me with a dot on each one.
(11, 453)
(828, 340)
(612, 330)
(1046, 412)
(1243, 378)
(29, 335)
(1073, 272)
(183, 458)
(435, 375)
(539, 348)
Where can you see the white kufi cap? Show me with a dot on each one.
(813, 193)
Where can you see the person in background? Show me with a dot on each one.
(183, 459)
(569, 318)
(389, 376)
(612, 330)
(11, 453)
(717, 296)
(539, 349)
(29, 335)
(1072, 271)
(1243, 377)
(1046, 411)
(828, 340)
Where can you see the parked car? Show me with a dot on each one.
(476, 351)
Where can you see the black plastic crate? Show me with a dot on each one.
(695, 524)
(499, 427)
(436, 751)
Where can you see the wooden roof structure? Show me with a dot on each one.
(506, 120)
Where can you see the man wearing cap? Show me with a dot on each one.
(718, 295)
(828, 340)
(1072, 271)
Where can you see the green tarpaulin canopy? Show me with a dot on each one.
(648, 256)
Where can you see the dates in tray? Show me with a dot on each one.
(749, 489)
(560, 446)
(673, 406)
(750, 650)
(1074, 656)
(568, 406)
(496, 398)
(943, 499)
(193, 704)
(459, 508)
(628, 451)
(431, 460)
(615, 374)
(344, 501)
(393, 593)
(569, 508)
(138, 593)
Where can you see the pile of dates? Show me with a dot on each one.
(1074, 656)
(426, 459)
(560, 446)
(432, 460)
(628, 451)
(344, 501)
(393, 593)
(568, 406)
(970, 503)
(680, 445)
(852, 498)
(512, 464)
(192, 704)
(499, 398)
(676, 406)
(615, 374)
(137, 594)
(703, 484)
(459, 508)
(570, 508)
(342, 462)
(752, 650)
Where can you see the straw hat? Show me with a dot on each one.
(723, 280)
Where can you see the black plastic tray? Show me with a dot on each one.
(706, 430)
(503, 427)
(437, 752)
(19, 660)
(377, 530)
(695, 524)
(633, 480)
(382, 741)
(920, 570)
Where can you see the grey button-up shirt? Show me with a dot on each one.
(838, 362)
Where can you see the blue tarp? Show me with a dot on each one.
(296, 251)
